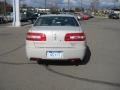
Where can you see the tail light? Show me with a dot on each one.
(75, 37)
(36, 36)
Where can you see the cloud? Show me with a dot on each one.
(109, 3)
(71, 1)
(35, 3)
(41, 3)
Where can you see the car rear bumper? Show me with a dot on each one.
(68, 53)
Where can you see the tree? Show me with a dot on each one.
(63, 10)
(77, 9)
(115, 2)
(1, 7)
(54, 10)
(95, 4)
(5, 7)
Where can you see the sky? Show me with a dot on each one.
(63, 3)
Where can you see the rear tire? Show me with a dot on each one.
(87, 56)
(28, 61)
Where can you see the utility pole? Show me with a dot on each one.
(115, 2)
(82, 5)
(45, 5)
(16, 13)
(68, 5)
(95, 4)
(5, 8)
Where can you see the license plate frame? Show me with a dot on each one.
(54, 54)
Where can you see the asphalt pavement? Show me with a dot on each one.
(101, 73)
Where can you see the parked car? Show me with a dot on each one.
(78, 16)
(9, 16)
(113, 16)
(2, 20)
(33, 18)
(89, 15)
(56, 37)
(82, 16)
(23, 17)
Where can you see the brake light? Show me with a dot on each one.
(75, 37)
(36, 36)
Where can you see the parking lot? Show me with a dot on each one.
(101, 73)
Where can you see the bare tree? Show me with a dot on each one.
(95, 4)
(1, 7)
(68, 5)
(115, 2)
(4, 7)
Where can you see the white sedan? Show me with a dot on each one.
(56, 37)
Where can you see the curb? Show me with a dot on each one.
(100, 17)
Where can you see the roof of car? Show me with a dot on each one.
(64, 15)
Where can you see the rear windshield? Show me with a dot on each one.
(56, 21)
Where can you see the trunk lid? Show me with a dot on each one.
(55, 36)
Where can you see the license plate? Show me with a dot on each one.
(54, 54)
